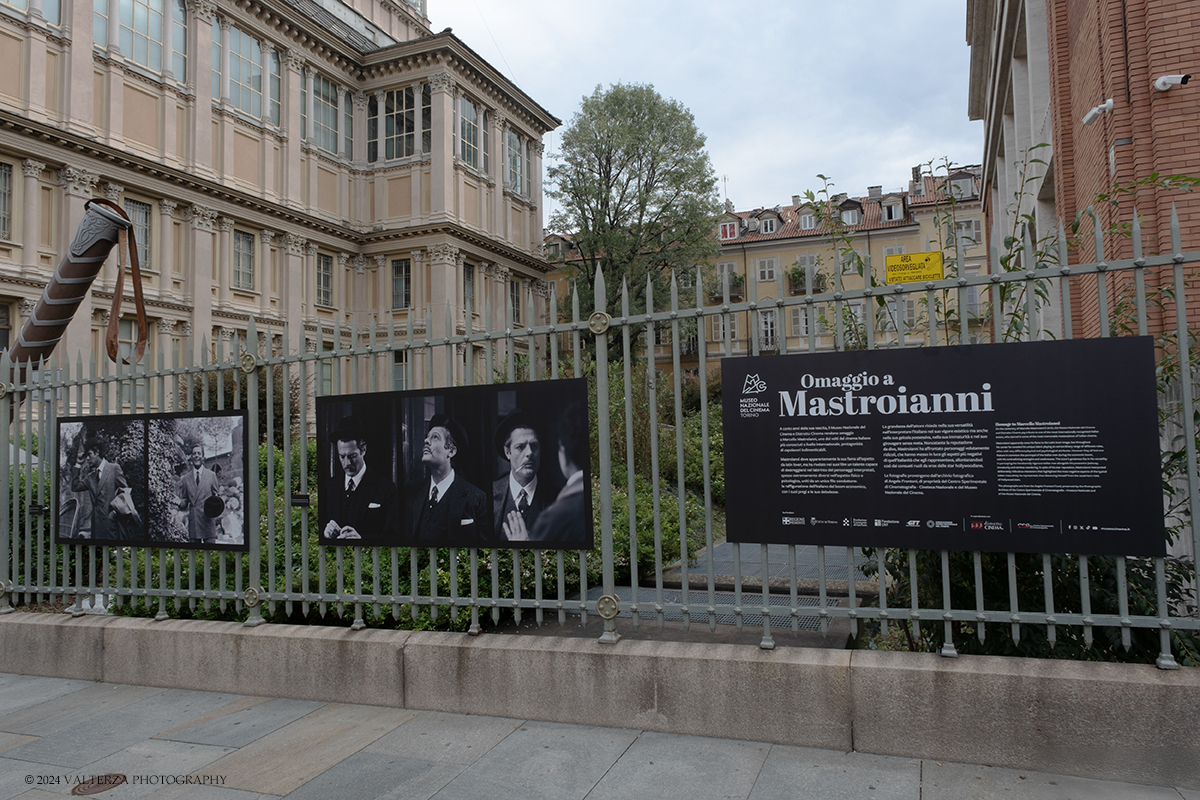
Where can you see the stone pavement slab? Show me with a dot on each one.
(380, 776)
(22, 691)
(13, 775)
(73, 709)
(947, 781)
(542, 761)
(285, 760)
(450, 738)
(243, 724)
(836, 775)
(148, 765)
(683, 768)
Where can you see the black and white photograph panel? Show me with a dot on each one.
(358, 467)
(102, 496)
(541, 457)
(446, 468)
(197, 480)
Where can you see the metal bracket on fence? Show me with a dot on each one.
(599, 322)
(301, 501)
(37, 509)
(3, 390)
(251, 596)
(608, 606)
(249, 362)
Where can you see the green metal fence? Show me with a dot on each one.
(286, 573)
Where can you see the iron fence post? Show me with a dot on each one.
(599, 326)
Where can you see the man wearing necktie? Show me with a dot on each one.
(519, 492)
(101, 479)
(364, 506)
(196, 484)
(446, 510)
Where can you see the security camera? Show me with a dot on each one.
(1095, 113)
(1165, 82)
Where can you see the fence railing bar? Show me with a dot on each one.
(630, 472)
(656, 509)
(705, 455)
(1187, 381)
(1123, 603)
(948, 649)
(1013, 603)
(1048, 593)
(981, 631)
(680, 488)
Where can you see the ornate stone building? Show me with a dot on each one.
(309, 162)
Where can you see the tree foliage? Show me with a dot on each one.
(637, 193)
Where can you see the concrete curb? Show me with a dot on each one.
(1106, 721)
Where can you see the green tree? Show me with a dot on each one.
(637, 194)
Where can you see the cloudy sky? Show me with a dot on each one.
(859, 92)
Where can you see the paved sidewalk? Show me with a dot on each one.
(55, 732)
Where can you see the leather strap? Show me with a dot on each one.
(126, 249)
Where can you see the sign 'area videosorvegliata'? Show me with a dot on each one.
(1027, 447)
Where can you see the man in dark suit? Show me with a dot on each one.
(195, 486)
(445, 510)
(566, 521)
(363, 507)
(518, 492)
(101, 479)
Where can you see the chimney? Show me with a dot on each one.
(917, 174)
(874, 192)
(797, 199)
(728, 205)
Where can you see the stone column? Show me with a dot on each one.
(166, 241)
(442, 261)
(265, 288)
(342, 283)
(291, 275)
(291, 118)
(80, 66)
(310, 280)
(441, 172)
(166, 340)
(201, 269)
(383, 297)
(224, 274)
(200, 36)
(499, 200)
(535, 196)
(31, 219)
(417, 275)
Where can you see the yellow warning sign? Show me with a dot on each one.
(914, 267)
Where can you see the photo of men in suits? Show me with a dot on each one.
(444, 509)
(196, 487)
(567, 520)
(101, 479)
(519, 492)
(363, 505)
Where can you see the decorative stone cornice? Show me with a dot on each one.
(78, 182)
(167, 206)
(295, 244)
(443, 254)
(295, 59)
(201, 217)
(202, 8)
(32, 169)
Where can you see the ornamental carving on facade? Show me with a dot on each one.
(295, 59)
(443, 254)
(266, 237)
(225, 334)
(165, 326)
(103, 316)
(541, 288)
(441, 82)
(295, 244)
(202, 8)
(310, 249)
(342, 259)
(185, 328)
(538, 147)
(27, 306)
(502, 273)
(78, 182)
(112, 191)
(360, 100)
(501, 121)
(226, 224)
(418, 256)
(166, 206)
(32, 169)
(360, 263)
(201, 217)
(381, 262)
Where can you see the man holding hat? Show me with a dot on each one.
(101, 479)
(362, 507)
(519, 492)
(445, 510)
(196, 486)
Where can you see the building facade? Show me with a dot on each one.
(1073, 85)
(794, 249)
(312, 163)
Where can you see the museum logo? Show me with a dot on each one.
(754, 385)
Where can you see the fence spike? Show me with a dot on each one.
(600, 299)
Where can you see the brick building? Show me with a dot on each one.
(1038, 69)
